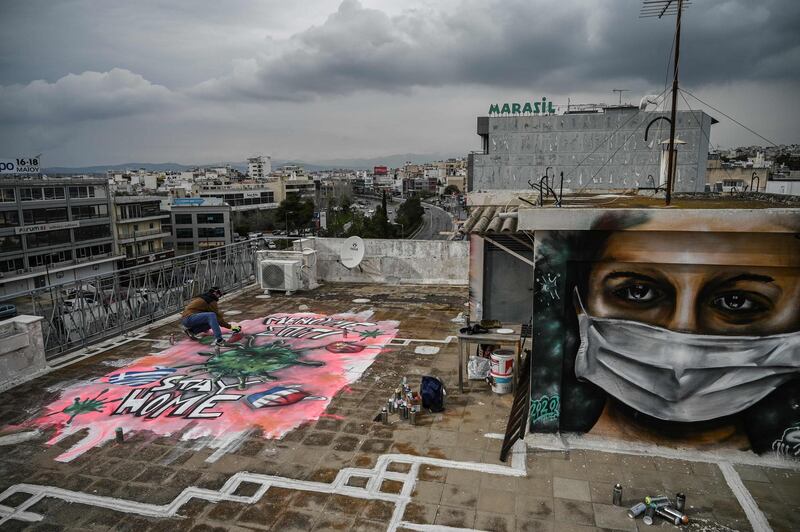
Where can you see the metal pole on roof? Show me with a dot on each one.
(671, 155)
(660, 8)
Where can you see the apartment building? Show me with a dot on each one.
(140, 230)
(266, 194)
(199, 224)
(259, 167)
(54, 230)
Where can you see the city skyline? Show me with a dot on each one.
(89, 83)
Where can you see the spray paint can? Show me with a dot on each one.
(172, 339)
(397, 394)
(403, 411)
(385, 416)
(649, 513)
(637, 510)
(617, 497)
(657, 502)
(680, 501)
(412, 416)
(390, 406)
(119, 436)
(672, 515)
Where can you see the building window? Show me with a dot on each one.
(11, 265)
(84, 212)
(47, 238)
(43, 216)
(183, 219)
(215, 218)
(90, 251)
(7, 195)
(10, 243)
(9, 219)
(30, 194)
(81, 192)
(35, 261)
(92, 232)
(184, 233)
(210, 232)
(53, 193)
(185, 246)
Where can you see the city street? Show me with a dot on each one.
(435, 221)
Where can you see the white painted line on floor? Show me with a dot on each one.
(433, 528)
(754, 514)
(226, 493)
(585, 442)
(19, 437)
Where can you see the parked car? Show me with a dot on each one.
(7, 310)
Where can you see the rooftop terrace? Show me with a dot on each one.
(337, 468)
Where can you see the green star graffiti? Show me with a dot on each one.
(370, 334)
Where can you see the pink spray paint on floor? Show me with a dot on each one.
(282, 372)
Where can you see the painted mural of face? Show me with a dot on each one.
(731, 284)
(692, 326)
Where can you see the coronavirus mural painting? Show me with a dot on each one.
(672, 328)
(280, 373)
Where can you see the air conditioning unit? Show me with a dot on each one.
(307, 258)
(281, 275)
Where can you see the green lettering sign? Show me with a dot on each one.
(515, 108)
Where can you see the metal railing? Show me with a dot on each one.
(83, 312)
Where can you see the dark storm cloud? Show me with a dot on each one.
(554, 46)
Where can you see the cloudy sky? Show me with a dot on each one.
(197, 81)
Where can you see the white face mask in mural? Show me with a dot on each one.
(680, 376)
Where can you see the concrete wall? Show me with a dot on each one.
(21, 350)
(395, 261)
(522, 147)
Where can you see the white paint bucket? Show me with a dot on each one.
(501, 383)
(502, 361)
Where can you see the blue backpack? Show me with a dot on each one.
(433, 393)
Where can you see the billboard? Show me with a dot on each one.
(19, 166)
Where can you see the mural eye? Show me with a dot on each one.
(736, 302)
(638, 293)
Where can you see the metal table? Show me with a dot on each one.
(491, 338)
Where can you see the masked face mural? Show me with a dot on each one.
(682, 327)
(282, 372)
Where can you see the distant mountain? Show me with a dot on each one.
(392, 161)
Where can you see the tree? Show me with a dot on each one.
(410, 213)
(298, 213)
(451, 189)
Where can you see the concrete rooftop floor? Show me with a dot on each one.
(444, 472)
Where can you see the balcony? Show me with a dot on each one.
(141, 236)
(147, 218)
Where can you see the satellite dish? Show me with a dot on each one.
(352, 252)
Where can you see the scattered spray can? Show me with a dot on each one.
(617, 497)
(397, 394)
(172, 339)
(390, 406)
(649, 513)
(672, 515)
(412, 416)
(637, 510)
(680, 502)
(385, 416)
(119, 436)
(657, 502)
(403, 411)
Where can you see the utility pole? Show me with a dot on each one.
(671, 155)
(620, 91)
(660, 8)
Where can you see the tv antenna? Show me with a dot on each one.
(620, 91)
(352, 252)
(660, 8)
